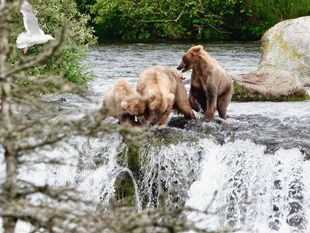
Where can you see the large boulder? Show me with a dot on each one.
(284, 69)
(268, 84)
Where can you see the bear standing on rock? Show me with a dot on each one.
(211, 87)
(163, 88)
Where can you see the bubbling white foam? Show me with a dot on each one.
(247, 189)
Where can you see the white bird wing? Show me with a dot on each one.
(30, 20)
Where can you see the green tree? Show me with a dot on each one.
(189, 19)
(198, 19)
(266, 13)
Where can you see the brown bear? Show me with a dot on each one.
(163, 89)
(211, 86)
(115, 103)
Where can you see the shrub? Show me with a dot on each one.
(66, 64)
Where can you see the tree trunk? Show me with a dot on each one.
(9, 225)
(10, 179)
(5, 92)
(10, 187)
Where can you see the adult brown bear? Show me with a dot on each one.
(211, 87)
(163, 90)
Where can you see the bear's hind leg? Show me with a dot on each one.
(211, 106)
(193, 102)
(222, 104)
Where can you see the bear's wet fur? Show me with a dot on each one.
(163, 88)
(211, 87)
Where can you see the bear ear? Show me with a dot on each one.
(150, 98)
(151, 95)
(170, 98)
(197, 48)
(124, 105)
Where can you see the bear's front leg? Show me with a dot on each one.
(164, 117)
(193, 102)
(182, 103)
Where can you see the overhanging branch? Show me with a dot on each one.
(164, 20)
(218, 30)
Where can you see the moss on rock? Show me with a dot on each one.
(244, 94)
(134, 156)
(124, 189)
(130, 156)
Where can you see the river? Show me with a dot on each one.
(250, 170)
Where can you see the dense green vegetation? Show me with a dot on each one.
(65, 64)
(189, 19)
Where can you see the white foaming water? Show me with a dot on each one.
(255, 192)
(246, 189)
(87, 164)
(278, 110)
(90, 165)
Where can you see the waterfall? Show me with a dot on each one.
(245, 188)
(240, 183)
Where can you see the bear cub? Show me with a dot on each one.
(123, 103)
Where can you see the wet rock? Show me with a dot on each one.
(268, 84)
(260, 129)
(177, 122)
(62, 99)
(287, 47)
(124, 189)
(284, 69)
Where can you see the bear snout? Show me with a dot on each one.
(181, 66)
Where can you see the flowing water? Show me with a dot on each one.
(249, 172)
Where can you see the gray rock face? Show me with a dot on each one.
(284, 69)
(270, 84)
(286, 46)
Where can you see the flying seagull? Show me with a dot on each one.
(34, 34)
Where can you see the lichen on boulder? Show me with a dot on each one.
(287, 47)
(268, 84)
(284, 70)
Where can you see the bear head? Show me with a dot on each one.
(190, 58)
(134, 105)
(158, 109)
